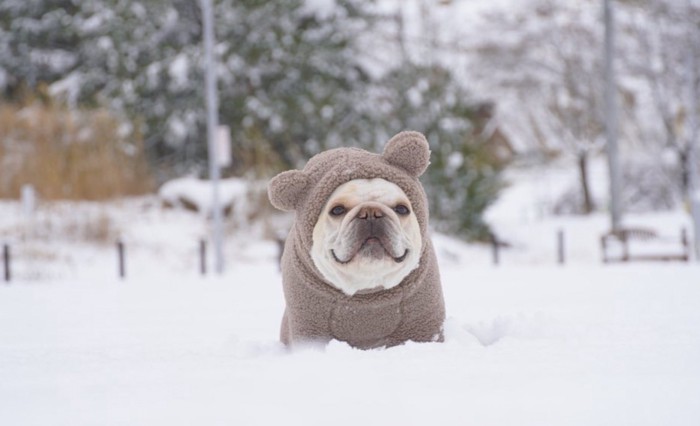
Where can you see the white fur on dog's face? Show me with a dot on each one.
(367, 237)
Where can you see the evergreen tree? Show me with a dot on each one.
(464, 176)
(288, 74)
(291, 84)
(38, 43)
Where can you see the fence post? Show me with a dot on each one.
(121, 259)
(494, 244)
(203, 256)
(685, 244)
(6, 261)
(561, 258)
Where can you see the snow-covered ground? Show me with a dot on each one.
(528, 342)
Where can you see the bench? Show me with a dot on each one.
(643, 244)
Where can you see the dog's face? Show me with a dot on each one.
(367, 237)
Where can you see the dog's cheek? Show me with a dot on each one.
(412, 230)
(342, 241)
(397, 235)
(345, 234)
(325, 236)
(320, 237)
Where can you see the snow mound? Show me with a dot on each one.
(197, 194)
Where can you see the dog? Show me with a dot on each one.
(358, 264)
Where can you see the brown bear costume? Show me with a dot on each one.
(318, 312)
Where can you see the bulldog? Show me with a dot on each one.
(358, 264)
(367, 237)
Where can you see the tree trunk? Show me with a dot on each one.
(587, 206)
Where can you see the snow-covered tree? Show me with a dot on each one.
(293, 84)
(38, 43)
(294, 78)
(464, 176)
(666, 34)
(541, 61)
(288, 74)
(545, 57)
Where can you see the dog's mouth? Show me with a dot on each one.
(372, 247)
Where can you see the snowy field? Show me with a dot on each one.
(528, 342)
(524, 345)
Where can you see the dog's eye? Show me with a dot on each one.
(402, 210)
(337, 211)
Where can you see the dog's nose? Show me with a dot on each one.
(370, 212)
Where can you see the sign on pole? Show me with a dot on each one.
(223, 142)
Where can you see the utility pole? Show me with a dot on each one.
(611, 118)
(212, 125)
(401, 32)
(694, 180)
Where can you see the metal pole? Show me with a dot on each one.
(611, 117)
(694, 180)
(212, 125)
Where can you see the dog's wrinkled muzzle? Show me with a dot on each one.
(371, 230)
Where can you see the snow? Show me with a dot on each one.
(179, 71)
(528, 342)
(199, 192)
(322, 8)
(68, 88)
(532, 345)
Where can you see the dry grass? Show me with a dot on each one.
(66, 222)
(69, 154)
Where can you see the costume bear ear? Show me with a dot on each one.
(409, 151)
(286, 189)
